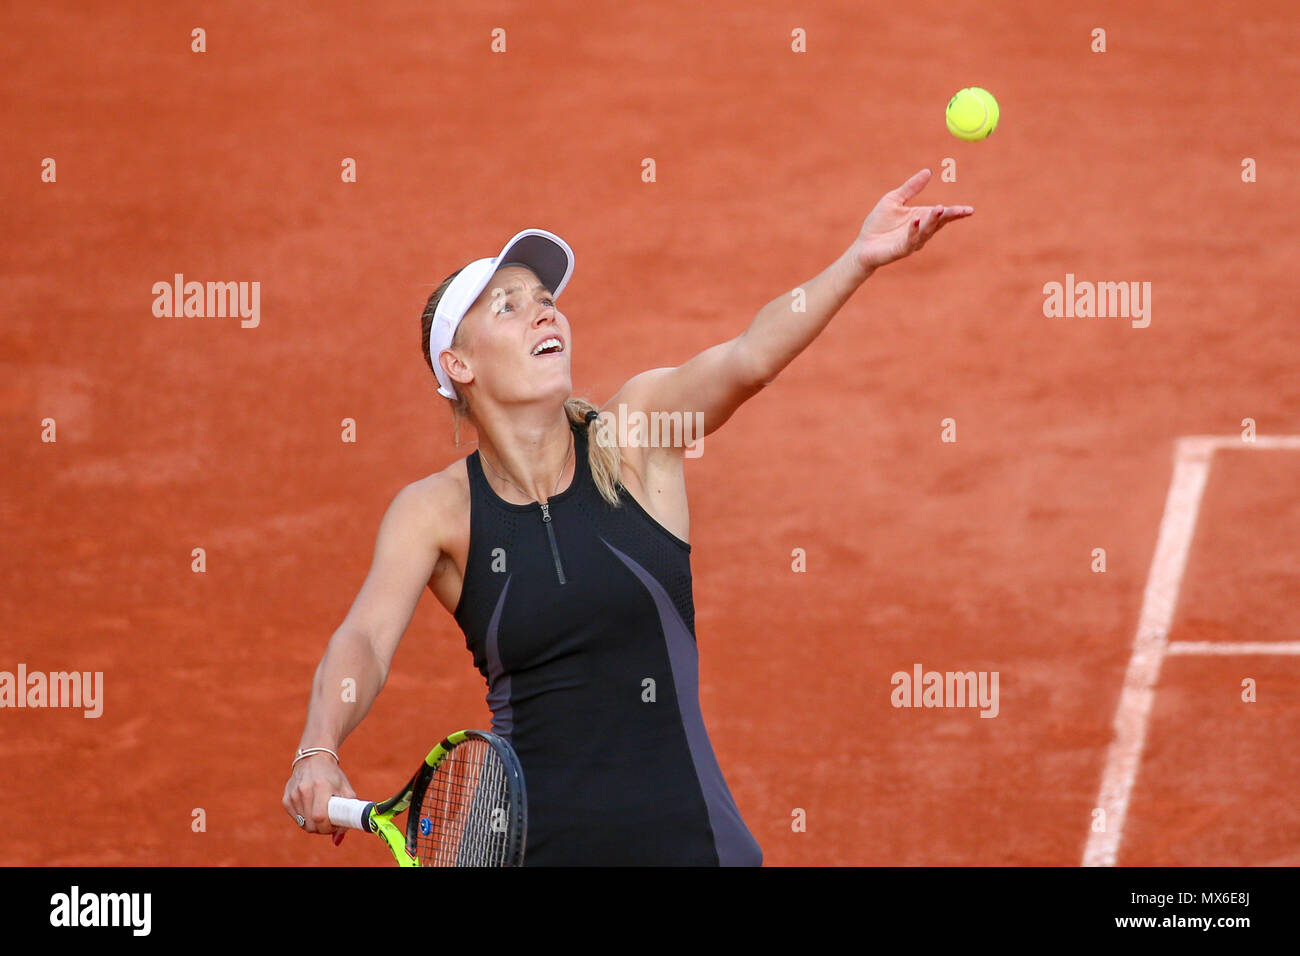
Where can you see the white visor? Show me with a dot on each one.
(545, 253)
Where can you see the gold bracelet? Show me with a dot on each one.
(314, 750)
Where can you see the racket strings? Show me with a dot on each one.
(465, 814)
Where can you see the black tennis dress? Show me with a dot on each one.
(583, 626)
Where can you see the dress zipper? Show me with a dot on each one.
(555, 550)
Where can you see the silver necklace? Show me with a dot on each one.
(572, 442)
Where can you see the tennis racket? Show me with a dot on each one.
(465, 806)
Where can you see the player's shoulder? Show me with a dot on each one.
(635, 394)
(435, 498)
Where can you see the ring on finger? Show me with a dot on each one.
(300, 819)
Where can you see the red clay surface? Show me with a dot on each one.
(182, 433)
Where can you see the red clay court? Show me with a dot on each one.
(182, 433)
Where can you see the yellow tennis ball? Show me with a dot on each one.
(972, 114)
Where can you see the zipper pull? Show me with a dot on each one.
(550, 533)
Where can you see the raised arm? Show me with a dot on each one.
(362, 649)
(721, 378)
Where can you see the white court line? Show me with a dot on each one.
(1191, 467)
(1233, 647)
(1192, 458)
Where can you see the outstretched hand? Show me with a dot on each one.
(894, 229)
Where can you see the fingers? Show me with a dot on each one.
(308, 793)
(310, 801)
(290, 807)
(947, 214)
(930, 222)
(926, 222)
(905, 192)
(319, 819)
(298, 803)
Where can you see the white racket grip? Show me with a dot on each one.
(346, 812)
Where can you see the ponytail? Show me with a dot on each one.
(603, 459)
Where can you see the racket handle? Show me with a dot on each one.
(346, 812)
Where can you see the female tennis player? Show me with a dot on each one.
(563, 557)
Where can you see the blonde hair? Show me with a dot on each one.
(603, 458)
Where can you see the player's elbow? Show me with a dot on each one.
(751, 370)
(364, 651)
